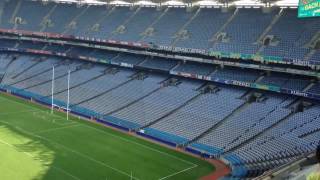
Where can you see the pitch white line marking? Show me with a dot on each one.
(184, 170)
(144, 146)
(147, 147)
(74, 177)
(36, 109)
(10, 100)
(46, 117)
(133, 142)
(30, 155)
(56, 129)
(19, 112)
(75, 152)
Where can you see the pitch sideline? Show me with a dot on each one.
(30, 155)
(113, 135)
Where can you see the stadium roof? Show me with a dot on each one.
(291, 3)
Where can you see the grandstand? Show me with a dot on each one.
(228, 82)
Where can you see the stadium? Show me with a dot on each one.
(159, 90)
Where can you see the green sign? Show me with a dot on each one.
(309, 8)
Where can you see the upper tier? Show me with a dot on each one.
(241, 30)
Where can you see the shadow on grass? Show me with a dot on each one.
(57, 160)
(36, 156)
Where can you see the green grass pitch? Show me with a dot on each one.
(35, 144)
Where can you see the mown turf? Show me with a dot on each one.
(35, 144)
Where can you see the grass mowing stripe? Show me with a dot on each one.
(65, 172)
(74, 151)
(36, 110)
(166, 177)
(17, 102)
(124, 139)
(56, 129)
(30, 155)
(32, 107)
(20, 112)
(144, 146)
(184, 170)
(43, 115)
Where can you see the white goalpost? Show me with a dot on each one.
(52, 90)
(52, 94)
(68, 99)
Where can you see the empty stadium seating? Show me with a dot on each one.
(293, 34)
(222, 123)
(168, 25)
(208, 109)
(201, 29)
(32, 19)
(244, 28)
(236, 74)
(251, 133)
(138, 24)
(158, 63)
(195, 68)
